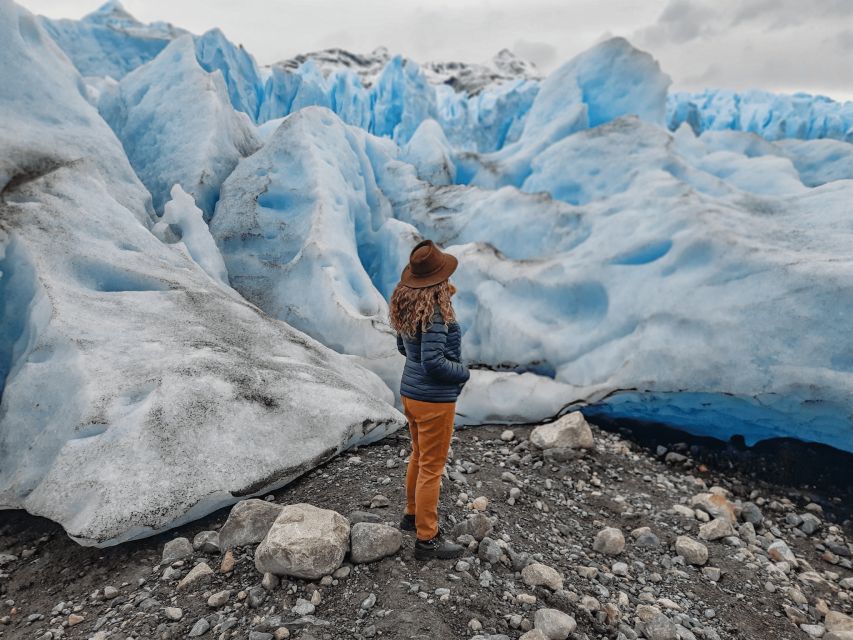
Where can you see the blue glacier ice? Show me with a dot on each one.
(609, 80)
(109, 41)
(128, 370)
(772, 116)
(177, 125)
(305, 231)
(238, 68)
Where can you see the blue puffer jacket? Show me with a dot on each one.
(433, 372)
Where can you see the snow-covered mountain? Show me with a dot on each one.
(470, 78)
(623, 249)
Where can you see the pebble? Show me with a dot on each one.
(379, 500)
(173, 613)
(480, 504)
(609, 541)
(536, 574)
(507, 435)
(693, 551)
(199, 574)
(554, 624)
(110, 592)
(303, 607)
(176, 549)
(218, 599)
(199, 628)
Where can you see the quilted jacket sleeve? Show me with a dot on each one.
(433, 354)
(400, 346)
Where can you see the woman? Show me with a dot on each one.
(428, 335)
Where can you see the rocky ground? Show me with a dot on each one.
(612, 541)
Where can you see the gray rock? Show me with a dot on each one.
(479, 526)
(660, 628)
(554, 624)
(489, 551)
(176, 549)
(248, 523)
(199, 628)
(110, 592)
(751, 513)
(260, 635)
(536, 574)
(256, 597)
(206, 542)
(199, 574)
(570, 431)
(810, 523)
(609, 541)
(173, 613)
(693, 551)
(305, 542)
(218, 599)
(303, 607)
(363, 516)
(371, 541)
(716, 529)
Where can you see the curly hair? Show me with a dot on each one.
(411, 309)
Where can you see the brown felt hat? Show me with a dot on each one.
(428, 265)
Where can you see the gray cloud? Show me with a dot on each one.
(777, 45)
(542, 54)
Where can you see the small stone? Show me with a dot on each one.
(660, 628)
(270, 581)
(379, 501)
(199, 628)
(206, 542)
(282, 633)
(369, 601)
(751, 513)
(712, 573)
(554, 624)
(536, 574)
(569, 431)
(342, 572)
(173, 613)
(473, 623)
(248, 523)
(810, 523)
(693, 551)
(780, 552)
(619, 569)
(480, 504)
(478, 525)
(507, 435)
(218, 599)
(75, 619)
(609, 541)
(489, 551)
(303, 607)
(110, 592)
(199, 574)
(228, 562)
(176, 549)
(716, 529)
(370, 541)
(526, 598)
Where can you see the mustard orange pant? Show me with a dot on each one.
(431, 426)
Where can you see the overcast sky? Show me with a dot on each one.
(778, 45)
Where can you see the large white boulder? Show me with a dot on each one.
(305, 542)
(570, 431)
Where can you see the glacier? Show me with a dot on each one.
(177, 125)
(192, 246)
(139, 392)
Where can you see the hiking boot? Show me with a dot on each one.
(436, 548)
(407, 522)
